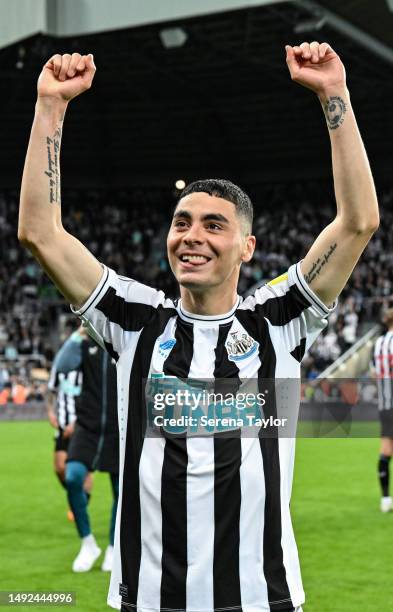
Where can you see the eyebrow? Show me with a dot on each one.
(208, 217)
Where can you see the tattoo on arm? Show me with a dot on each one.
(318, 265)
(335, 109)
(53, 171)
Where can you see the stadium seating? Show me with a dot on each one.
(127, 231)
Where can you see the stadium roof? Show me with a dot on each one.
(221, 105)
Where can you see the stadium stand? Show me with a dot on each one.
(127, 231)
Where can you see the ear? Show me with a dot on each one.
(249, 248)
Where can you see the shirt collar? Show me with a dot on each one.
(191, 317)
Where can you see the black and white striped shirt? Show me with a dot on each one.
(383, 363)
(203, 523)
(67, 387)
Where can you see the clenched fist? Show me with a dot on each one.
(66, 76)
(316, 66)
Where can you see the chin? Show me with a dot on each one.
(193, 284)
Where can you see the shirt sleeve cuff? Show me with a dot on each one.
(95, 296)
(296, 276)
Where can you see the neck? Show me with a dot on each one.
(208, 303)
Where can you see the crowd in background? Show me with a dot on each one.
(127, 231)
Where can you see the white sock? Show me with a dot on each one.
(89, 541)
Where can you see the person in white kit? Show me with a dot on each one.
(383, 371)
(203, 523)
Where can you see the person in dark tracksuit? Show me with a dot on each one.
(95, 442)
(63, 389)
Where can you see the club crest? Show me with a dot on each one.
(240, 345)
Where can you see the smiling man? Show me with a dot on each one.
(203, 522)
(209, 238)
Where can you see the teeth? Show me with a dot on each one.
(197, 258)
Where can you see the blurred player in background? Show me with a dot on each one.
(383, 366)
(63, 389)
(204, 523)
(94, 444)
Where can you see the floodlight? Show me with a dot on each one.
(173, 37)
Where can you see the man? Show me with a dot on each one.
(4, 376)
(203, 523)
(63, 388)
(94, 444)
(383, 367)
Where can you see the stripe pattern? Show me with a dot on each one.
(203, 522)
(383, 363)
(67, 386)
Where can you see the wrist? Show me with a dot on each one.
(335, 102)
(51, 107)
(332, 91)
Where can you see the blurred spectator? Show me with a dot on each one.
(127, 231)
(5, 394)
(19, 390)
(4, 376)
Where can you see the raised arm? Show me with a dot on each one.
(67, 262)
(331, 259)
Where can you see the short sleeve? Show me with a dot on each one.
(119, 308)
(69, 357)
(293, 309)
(317, 313)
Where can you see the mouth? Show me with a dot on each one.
(190, 261)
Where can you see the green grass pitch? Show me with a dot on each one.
(345, 543)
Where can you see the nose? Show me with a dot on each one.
(193, 235)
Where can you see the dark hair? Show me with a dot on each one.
(226, 190)
(387, 317)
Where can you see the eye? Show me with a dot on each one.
(214, 226)
(180, 224)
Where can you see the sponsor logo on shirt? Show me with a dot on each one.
(69, 388)
(240, 345)
(165, 347)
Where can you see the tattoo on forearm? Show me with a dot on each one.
(335, 109)
(53, 171)
(318, 265)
